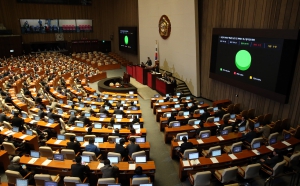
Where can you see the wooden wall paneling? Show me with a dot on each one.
(293, 19)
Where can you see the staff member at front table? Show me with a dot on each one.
(149, 62)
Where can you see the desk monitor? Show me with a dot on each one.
(136, 126)
(119, 116)
(81, 105)
(118, 140)
(237, 149)
(161, 101)
(51, 120)
(197, 122)
(99, 140)
(79, 124)
(256, 145)
(70, 103)
(168, 115)
(140, 159)
(194, 155)
(242, 128)
(102, 115)
(34, 154)
(60, 111)
(79, 138)
(21, 182)
(82, 184)
(106, 95)
(131, 96)
(113, 159)
(224, 132)
(135, 102)
(181, 136)
(61, 101)
(190, 104)
(157, 96)
(24, 115)
(121, 108)
(88, 98)
(215, 153)
(178, 94)
(117, 126)
(93, 106)
(37, 118)
(201, 111)
(134, 108)
(87, 115)
(177, 106)
(50, 183)
(187, 98)
(79, 97)
(175, 99)
(256, 125)
(123, 102)
(176, 124)
(205, 135)
(106, 107)
(140, 140)
(186, 113)
(131, 92)
(216, 119)
(59, 157)
(287, 136)
(85, 159)
(95, 94)
(29, 132)
(201, 102)
(15, 129)
(137, 116)
(97, 125)
(273, 141)
(72, 113)
(146, 184)
(215, 109)
(232, 116)
(163, 107)
(167, 95)
(111, 101)
(61, 137)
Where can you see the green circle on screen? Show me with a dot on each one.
(126, 40)
(243, 60)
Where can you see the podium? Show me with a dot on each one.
(163, 87)
(141, 74)
(151, 79)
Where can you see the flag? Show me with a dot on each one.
(156, 53)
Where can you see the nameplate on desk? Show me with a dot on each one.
(286, 143)
(32, 161)
(232, 156)
(214, 160)
(46, 162)
(130, 120)
(186, 163)
(57, 141)
(131, 166)
(48, 124)
(71, 128)
(156, 103)
(100, 165)
(158, 110)
(232, 120)
(220, 138)
(195, 126)
(186, 116)
(126, 99)
(173, 109)
(101, 119)
(256, 152)
(23, 136)
(200, 141)
(217, 123)
(271, 148)
(128, 111)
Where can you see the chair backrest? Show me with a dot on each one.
(210, 119)
(109, 154)
(41, 178)
(70, 181)
(252, 171)
(187, 152)
(273, 135)
(229, 174)
(137, 181)
(202, 178)
(166, 113)
(68, 135)
(10, 148)
(172, 122)
(68, 154)
(197, 111)
(87, 137)
(235, 145)
(268, 118)
(213, 148)
(63, 124)
(278, 168)
(244, 113)
(112, 138)
(226, 116)
(12, 176)
(106, 180)
(251, 113)
(191, 121)
(139, 153)
(91, 154)
(46, 152)
(7, 125)
(180, 113)
(255, 140)
(180, 134)
(286, 124)
(294, 160)
(229, 128)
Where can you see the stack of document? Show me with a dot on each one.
(57, 141)
(185, 163)
(46, 162)
(286, 143)
(195, 162)
(131, 166)
(232, 156)
(214, 160)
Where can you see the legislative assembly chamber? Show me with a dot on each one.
(132, 92)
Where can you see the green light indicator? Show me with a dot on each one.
(220, 69)
(126, 40)
(243, 60)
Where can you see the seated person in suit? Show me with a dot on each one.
(272, 161)
(243, 122)
(192, 108)
(250, 134)
(72, 119)
(138, 173)
(17, 121)
(205, 115)
(185, 145)
(172, 118)
(135, 120)
(112, 121)
(116, 132)
(264, 130)
(118, 111)
(109, 171)
(89, 131)
(80, 170)
(8, 98)
(107, 103)
(52, 115)
(91, 147)
(132, 147)
(102, 110)
(85, 120)
(73, 144)
(15, 166)
(133, 133)
(119, 148)
(41, 113)
(226, 124)
(3, 117)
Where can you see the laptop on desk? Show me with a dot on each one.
(273, 141)
(215, 109)
(140, 140)
(117, 126)
(257, 125)
(287, 136)
(224, 132)
(215, 153)
(242, 128)
(79, 138)
(232, 116)
(97, 125)
(29, 132)
(93, 106)
(193, 156)
(59, 157)
(181, 136)
(82, 184)
(15, 129)
(50, 120)
(85, 159)
(34, 154)
(61, 137)
(237, 149)
(201, 111)
(80, 124)
(113, 159)
(99, 140)
(140, 159)
(256, 145)
(205, 135)
(21, 182)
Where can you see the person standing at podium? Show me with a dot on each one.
(149, 62)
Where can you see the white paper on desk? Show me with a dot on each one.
(7, 132)
(85, 143)
(130, 120)
(195, 126)
(131, 166)
(158, 110)
(179, 143)
(100, 165)
(23, 136)
(128, 111)
(216, 123)
(286, 143)
(232, 120)
(200, 141)
(271, 148)
(214, 160)
(156, 104)
(194, 162)
(186, 116)
(33, 122)
(46, 162)
(173, 109)
(186, 163)
(220, 138)
(119, 120)
(57, 141)
(49, 124)
(32, 160)
(232, 156)
(2, 127)
(256, 152)
(101, 119)
(138, 130)
(71, 128)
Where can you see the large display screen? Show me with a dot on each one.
(255, 60)
(128, 39)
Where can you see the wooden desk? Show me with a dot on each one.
(171, 132)
(97, 77)
(156, 105)
(119, 94)
(208, 142)
(221, 102)
(32, 140)
(58, 95)
(89, 89)
(4, 160)
(19, 104)
(104, 147)
(141, 74)
(44, 125)
(162, 87)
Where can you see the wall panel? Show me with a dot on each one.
(267, 14)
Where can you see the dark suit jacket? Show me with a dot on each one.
(53, 116)
(72, 120)
(18, 122)
(102, 110)
(133, 148)
(74, 145)
(118, 111)
(85, 120)
(109, 171)
(204, 116)
(3, 117)
(18, 168)
(249, 136)
(41, 114)
(121, 149)
(186, 145)
(78, 170)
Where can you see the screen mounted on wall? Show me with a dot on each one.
(260, 61)
(128, 39)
